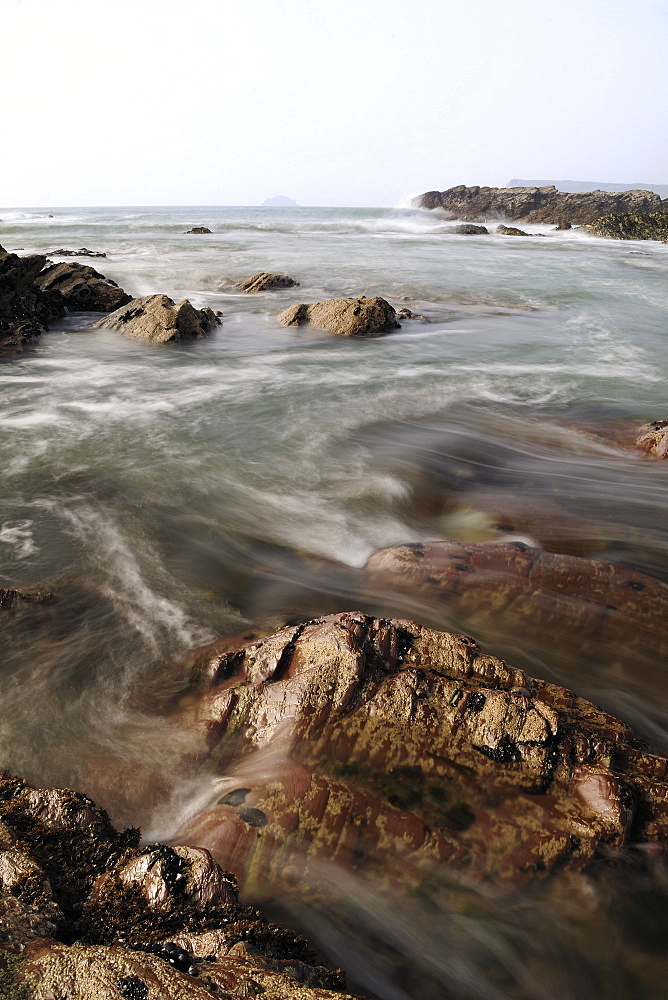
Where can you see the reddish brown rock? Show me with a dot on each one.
(603, 620)
(653, 439)
(87, 914)
(386, 747)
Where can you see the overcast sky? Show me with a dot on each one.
(331, 102)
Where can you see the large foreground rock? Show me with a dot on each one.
(388, 748)
(158, 319)
(538, 204)
(87, 914)
(360, 317)
(650, 226)
(81, 288)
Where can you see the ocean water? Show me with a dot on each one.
(173, 494)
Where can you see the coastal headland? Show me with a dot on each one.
(539, 204)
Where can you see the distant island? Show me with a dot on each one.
(582, 186)
(280, 201)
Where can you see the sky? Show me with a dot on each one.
(330, 102)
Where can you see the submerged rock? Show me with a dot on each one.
(649, 226)
(360, 317)
(158, 319)
(86, 913)
(510, 231)
(10, 597)
(653, 439)
(265, 282)
(198, 230)
(81, 288)
(389, 748)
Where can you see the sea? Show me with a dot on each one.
(176, 493)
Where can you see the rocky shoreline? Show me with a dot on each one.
(389, 751)
(540, 205)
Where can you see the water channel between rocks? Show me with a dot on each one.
(172, 495)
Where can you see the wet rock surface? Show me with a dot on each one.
(650, 226)
(85, 912)
(198, 231)
(25, 309)
(265, 281)
(360, 317)
(539, 204)
(81, 288)
(395, 748)
(653, 439)
(158, 320)
(510, 231)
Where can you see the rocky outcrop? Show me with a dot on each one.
(25, 309)
(389, 748)
(510, 231)
(87, 913)
(653, 439)
(649, 226)
(158, 319)
(538, 204)
(81, 288)
(360, 317)
(266, 282)
(81, 252)
(466, 229)
(198, 231)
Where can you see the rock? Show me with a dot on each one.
(11, 597)
(25, 309)
(569, 609)
(265, 282)
(389, 748)
(405, 313)
(563, 226)
(85, 912)
(82, 252)
(198, 230)
(653, 439)
(648, 226)
(538, 204)
(467, 230)
(510, 231)
(158, 319)
(81, 288)
(49, 970)
(360, 317)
